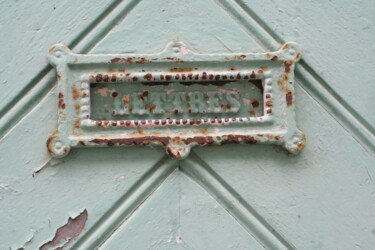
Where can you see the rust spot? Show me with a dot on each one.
(114, 94)
(176, 140)
(148, 76)
(129, 60)
(115, 60)
(49, 140)
(241, 57)
(287, 65)
(51, 49)
(113, 78)
(232, 68)
(135, 78)
(301, 144)
(61, 104)
(67, 233)
(174, 59)
(58, 76)
(298, 55)
(255, 103)
(235, 139)
(106, 78)
(77, 107)
(133, 141)
(99, 77)
(122, 70)
(285, 46)
(173, 153)
(150, 107)
(274, 58)
(181, 70)
(218, 83)
(75, 92)
(77, 123)
(200, 140)
(204, 131)
(141, 132)
(289, 98)
(253, 75)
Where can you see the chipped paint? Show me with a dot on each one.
(67, 233)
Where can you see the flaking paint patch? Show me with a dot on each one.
(67, 233)
(102, 91)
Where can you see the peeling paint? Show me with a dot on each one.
(67, 233)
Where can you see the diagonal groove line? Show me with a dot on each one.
(306, 66)
(44, 81)
(234, 204)
(47, 68)
(126, 205)
(313, 83)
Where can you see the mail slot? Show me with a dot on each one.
(177, 99)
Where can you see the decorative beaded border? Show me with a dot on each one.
(84, 101)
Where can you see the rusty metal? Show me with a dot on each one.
(177, 99)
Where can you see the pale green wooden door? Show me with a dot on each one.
(228, 197)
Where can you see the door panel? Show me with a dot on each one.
(314, 199)
(31, 27)
(229, 197)
(180, 215)
(337, 38)
(38, 194)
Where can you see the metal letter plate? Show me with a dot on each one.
(177, 99)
